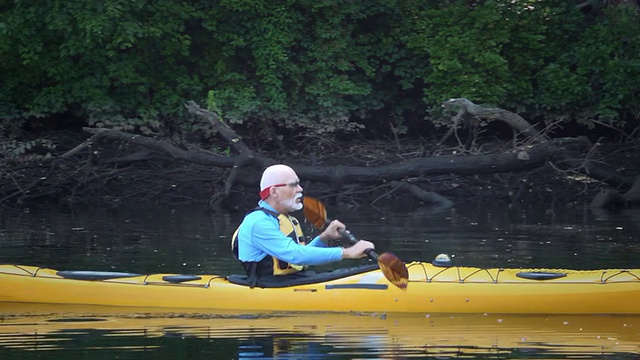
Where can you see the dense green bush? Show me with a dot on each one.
(596, 77)
(321, 66)
(118, 63)
(539, 58)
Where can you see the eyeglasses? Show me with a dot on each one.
(292, 185)
(265, 192)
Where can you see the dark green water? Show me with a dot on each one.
(189, 240)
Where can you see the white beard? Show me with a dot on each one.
(292, 204)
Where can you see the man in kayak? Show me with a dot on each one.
(269, 241)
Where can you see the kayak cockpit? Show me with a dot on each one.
(301, 278)
(305, 277)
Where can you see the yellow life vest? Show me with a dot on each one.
(290, 226)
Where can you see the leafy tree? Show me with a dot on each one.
(595, 78)
(320, 67)
(121, 64)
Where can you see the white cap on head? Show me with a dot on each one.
(275, 175)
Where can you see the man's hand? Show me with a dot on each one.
(333, 231)
(357, 250)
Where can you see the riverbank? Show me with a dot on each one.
(115, 173)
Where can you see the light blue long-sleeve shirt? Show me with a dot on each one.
(259, 235)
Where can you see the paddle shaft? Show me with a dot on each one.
(345, 234)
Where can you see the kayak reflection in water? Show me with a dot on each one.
(269, 241)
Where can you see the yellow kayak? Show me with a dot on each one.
(431, 289)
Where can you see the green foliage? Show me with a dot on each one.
(295, 65)
(323, 67)
(597, 75)
(212, 104)
(25, 151)
(487, 52)
(540, 58)
(120, 64)
(463, 47)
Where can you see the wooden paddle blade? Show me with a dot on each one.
(394, 270)
(314, 212)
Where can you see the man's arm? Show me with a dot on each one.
(273, 242)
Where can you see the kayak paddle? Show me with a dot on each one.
(391, 266)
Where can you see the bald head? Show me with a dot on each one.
(277, 174)
(289, 194)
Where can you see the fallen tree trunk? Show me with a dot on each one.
(523, 158)
(606, 198)
(515, 121)
(515, 160)
(243, 166)
(511, 161)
